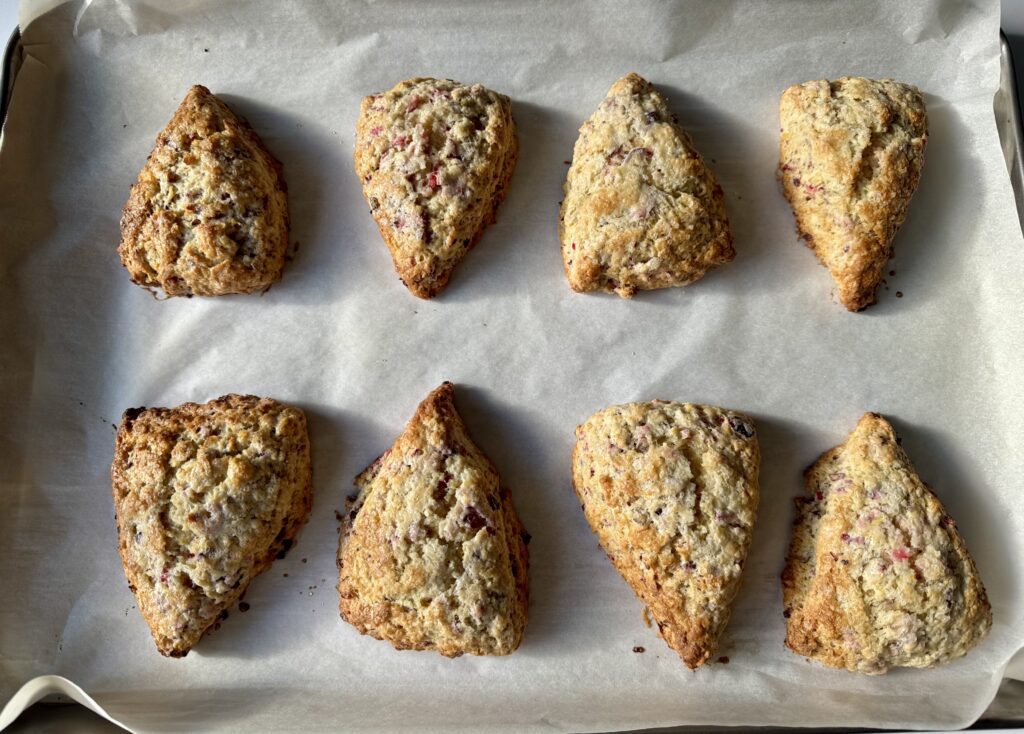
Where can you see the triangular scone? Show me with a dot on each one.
(850, 158)
(878, 576)
(432, 555)
(641, 208)
(205, 497)
(670, 489)
(435, 158)
(208, 214)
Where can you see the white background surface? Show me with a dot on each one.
(534, 359)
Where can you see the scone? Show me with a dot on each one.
(850, 159)
(205, 497)
(642, 210)
(878, 576)
(670, 490)
(432, 554)
(435, 158)
(208, 214)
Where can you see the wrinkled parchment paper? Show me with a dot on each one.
(340, 336)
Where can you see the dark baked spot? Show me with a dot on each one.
(638, 648)
(740, 426)
(473, 518)
(132, 413)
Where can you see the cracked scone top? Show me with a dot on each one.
(641, 209)
(435, 158)
(878, 576)
(208, 215)
(670, 490)
(205, 497)
(432, 555)
(850, 159)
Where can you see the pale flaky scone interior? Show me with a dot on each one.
(670, 490)
(641, 210)
(435, 158)
(432, 554)
(205, 497)
(208, 215)
(850, 159)
(878, 575)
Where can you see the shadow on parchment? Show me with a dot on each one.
(509, 436)
(502, 262)
(306, 154)
(285, 605)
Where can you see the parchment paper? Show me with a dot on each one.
(342, 338)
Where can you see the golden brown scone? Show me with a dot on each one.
(435, 158)
(850, 159)
(641, 208)
(432, 555)
(208, 215)
(878, 576)
(670, 489)
(205, 497)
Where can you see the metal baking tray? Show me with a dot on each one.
(1005, 712)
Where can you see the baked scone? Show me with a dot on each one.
(208, 214)
(432, 554)
(642, 210)
(850, 159)
(878, 576)
(205, 497)
(435, 158)
(670, 490)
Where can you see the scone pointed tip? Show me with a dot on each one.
(197, 92)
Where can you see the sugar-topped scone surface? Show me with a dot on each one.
(878, 575)
(432, 554)
(435, 158)
(205, 497)
(642, 210)
(850, 159)
(670, 489)
(208, 215)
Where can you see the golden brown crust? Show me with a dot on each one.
(670, 490)
(878, 576)
(205, 498)
(208, 214)
(435, 158)
(642, 210)
(433, 556)
(850, 159)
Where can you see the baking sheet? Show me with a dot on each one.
(341, 337)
